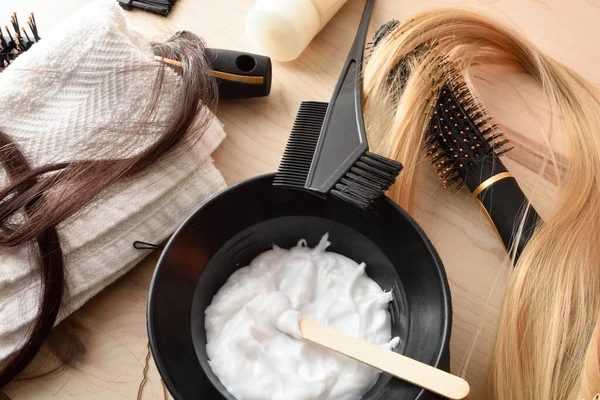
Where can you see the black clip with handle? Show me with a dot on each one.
(240, 75)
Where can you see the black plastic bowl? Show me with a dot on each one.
(235, 226)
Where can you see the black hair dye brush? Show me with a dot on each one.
(327, 151)
(464, 145)
(14, 44)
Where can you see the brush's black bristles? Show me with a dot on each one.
(381, 33)
(367, 180)
(400, 73)
(461, 136)
(14, 44)
(301, 145)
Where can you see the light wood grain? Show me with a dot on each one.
(407, 369)
(113, 324)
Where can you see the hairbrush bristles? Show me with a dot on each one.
(399, 75)
(381, 33)
(461, 137)
(14, 44)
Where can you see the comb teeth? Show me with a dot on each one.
(460, 134)
(301, 145)
(367, 181)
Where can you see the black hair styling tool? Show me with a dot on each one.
(14, 44)
(464, 146)
(160, 7)
(239, 75)
(327, 151)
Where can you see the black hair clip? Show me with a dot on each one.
(239, 75)
(161, 7)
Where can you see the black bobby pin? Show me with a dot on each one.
(139, 245)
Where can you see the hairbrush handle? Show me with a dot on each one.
(240, 75)
(505, 204)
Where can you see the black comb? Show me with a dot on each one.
(327, 151)
(464, 145)
(16, 43)
(301, 145)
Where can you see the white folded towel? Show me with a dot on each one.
(71, 92)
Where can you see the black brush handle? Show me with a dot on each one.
(505, 204)
(343, 137)
(240, 75)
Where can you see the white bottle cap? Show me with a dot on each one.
(282, 29)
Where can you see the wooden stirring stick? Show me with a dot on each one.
(420, 374)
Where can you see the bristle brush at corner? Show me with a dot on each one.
(16, 43)
(327, 152)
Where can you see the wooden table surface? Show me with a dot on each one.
(112, 327)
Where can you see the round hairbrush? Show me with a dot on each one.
(464, 145)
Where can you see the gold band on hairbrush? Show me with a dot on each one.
(490, 181)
